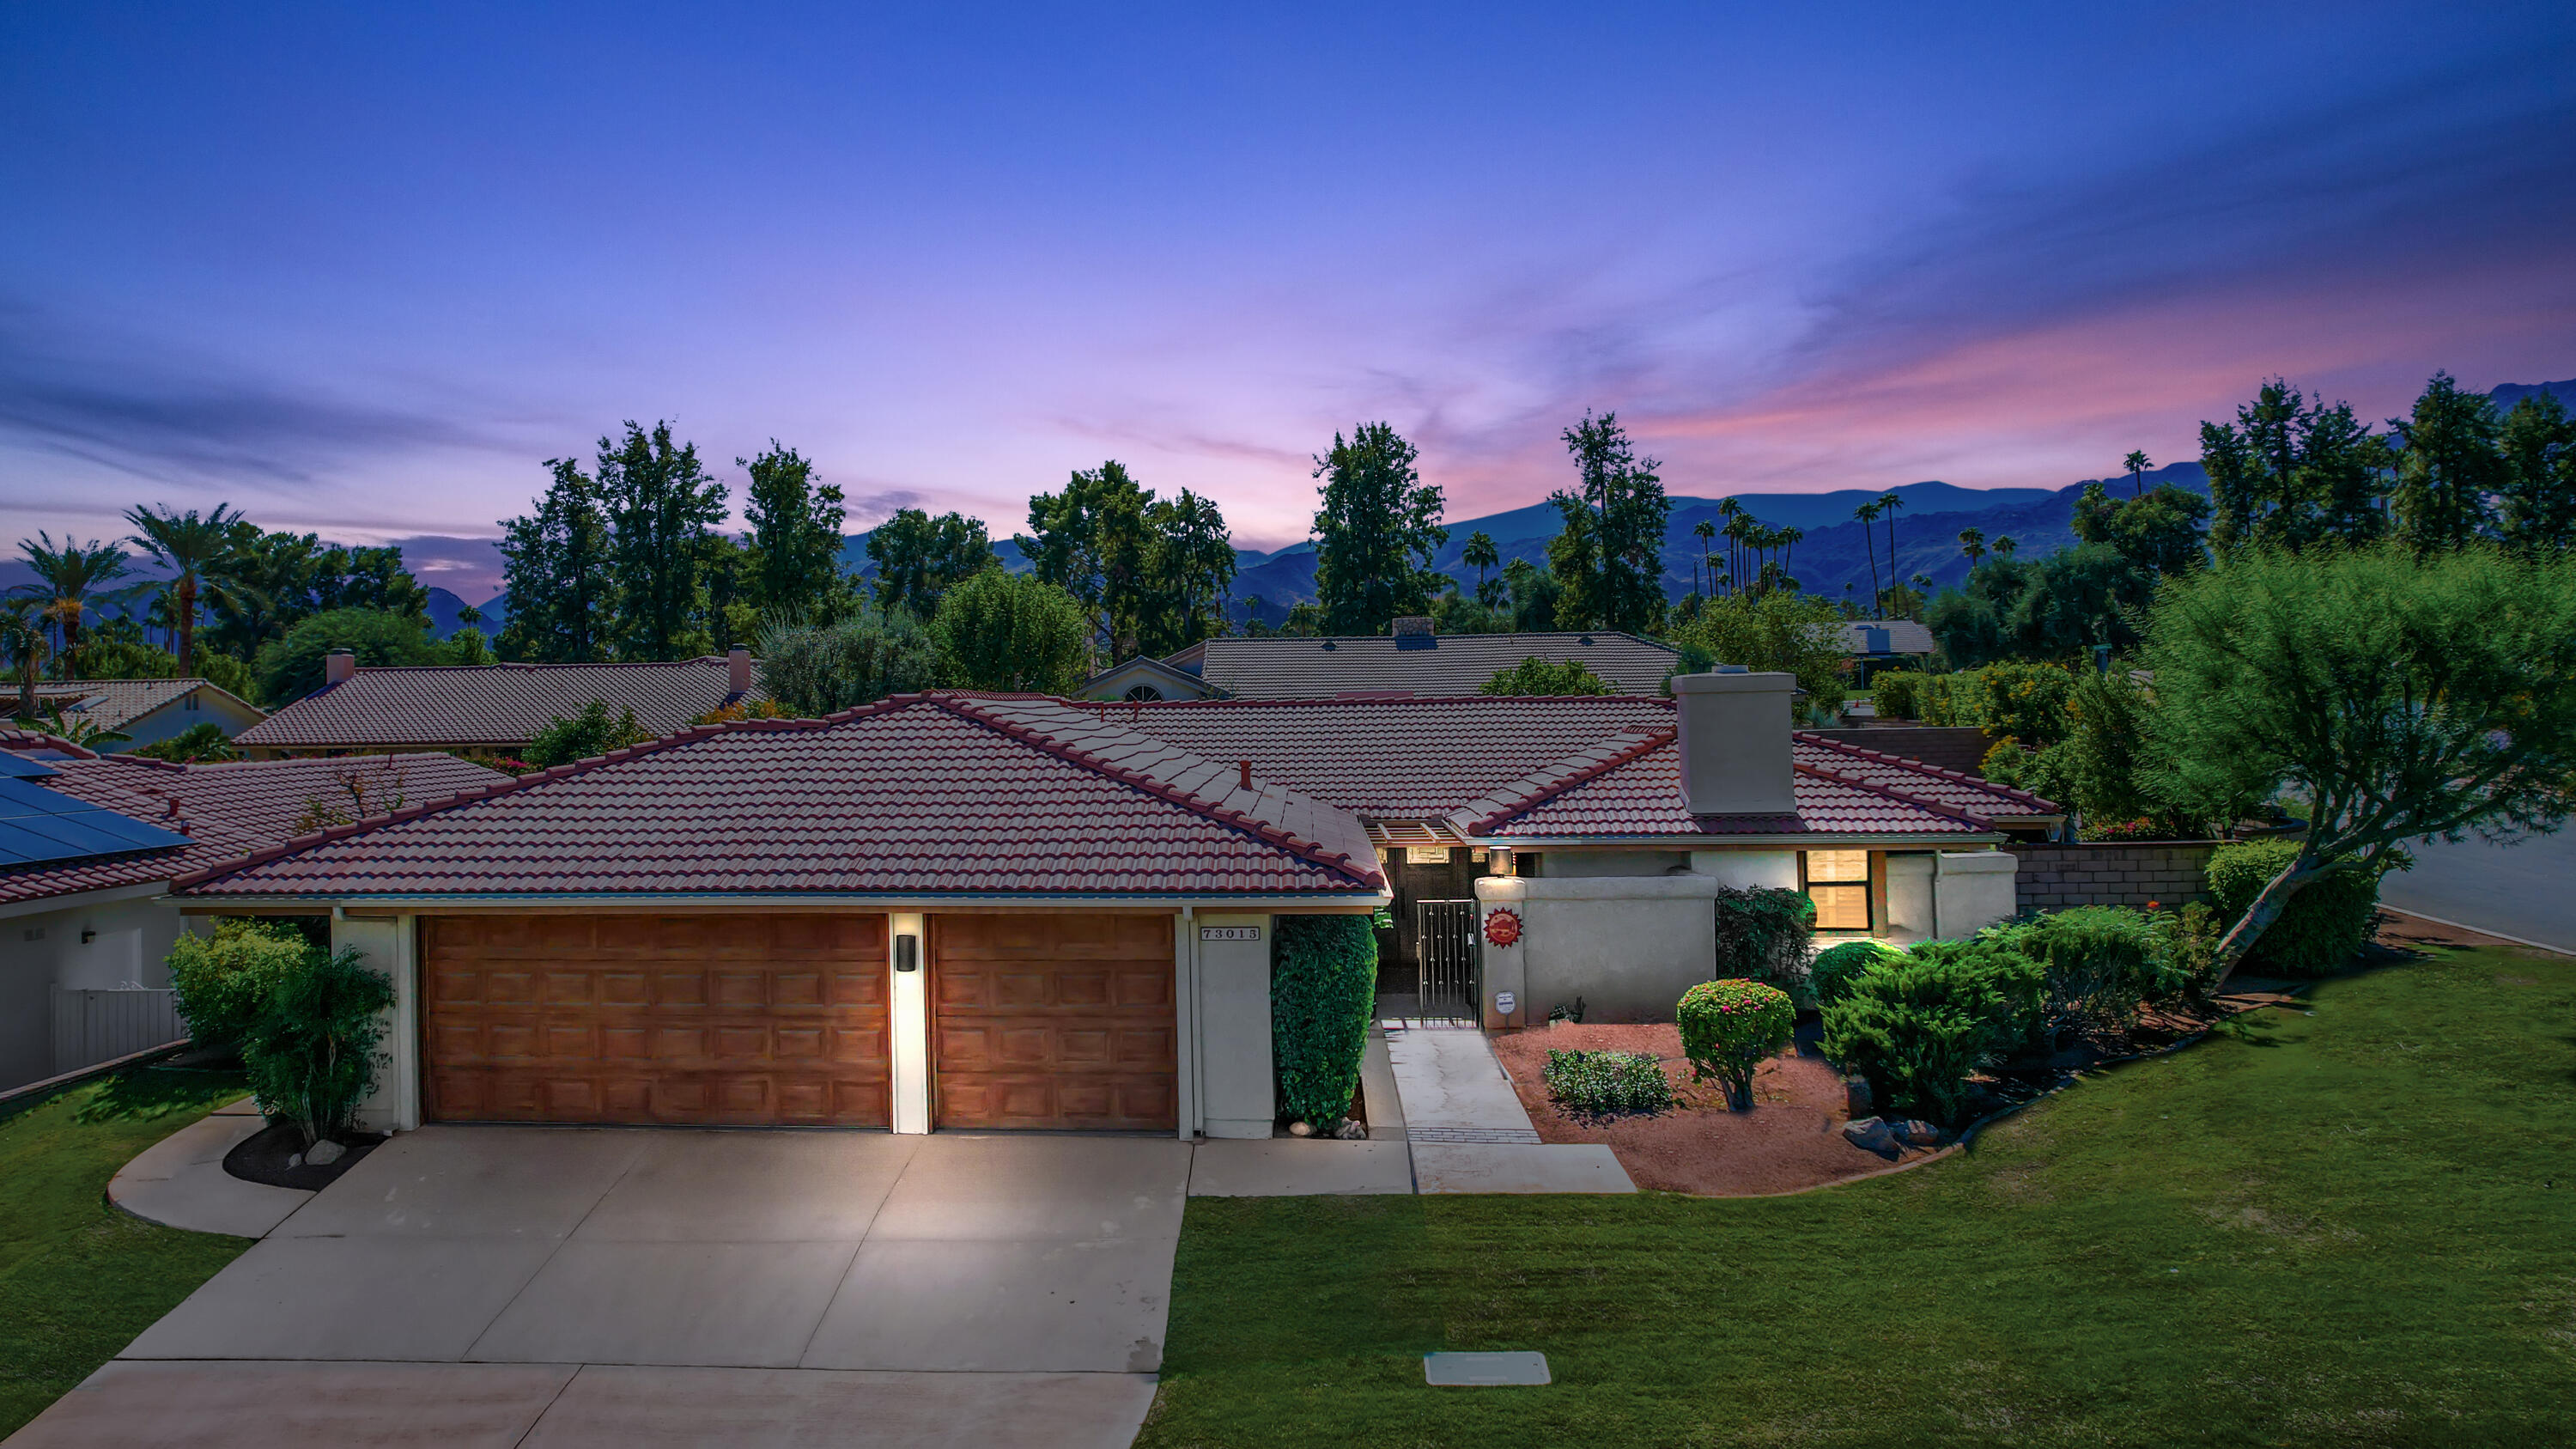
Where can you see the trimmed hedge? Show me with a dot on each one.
(2323, 927)
(1323, 985)
(1830, 974)
(220, 983)
(1917, 1024)
(1607, 1083)
(1764, 934)
(2102, 961)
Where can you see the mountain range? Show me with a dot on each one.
(1831, 560)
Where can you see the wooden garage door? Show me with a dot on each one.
(1054, 1021)
(733, 1020)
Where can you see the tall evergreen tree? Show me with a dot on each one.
(1375, 532)
(555, 570)
(662, 506)
(1090, 541)
(1190, 563)
(2290, 473)
(795, 540)
(2536, 507)
(1621, 585)
(920, 558)
(2447, 463)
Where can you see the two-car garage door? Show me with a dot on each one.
(1048, 1021)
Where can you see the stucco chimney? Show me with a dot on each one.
(1735, 742)
(1411, 624)
(738, 671)
(339, 667)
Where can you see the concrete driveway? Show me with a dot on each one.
(549, 1286)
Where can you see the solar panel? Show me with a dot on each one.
(14, 765)
(38, 826)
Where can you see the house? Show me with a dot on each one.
(489, 709)
(1876, 644)
(970, 911)
(1412, 660)
(88, 845)
(148, 711)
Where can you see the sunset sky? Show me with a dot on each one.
(361, 269)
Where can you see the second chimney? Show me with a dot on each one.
(1734, 728)
(339, 667)
(737, 672)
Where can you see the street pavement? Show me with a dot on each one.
(2526, 889)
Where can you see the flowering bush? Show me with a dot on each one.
(1729, 1028)
(1605, 1083)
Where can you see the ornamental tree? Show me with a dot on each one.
(2394, 697)
(1731, 1027)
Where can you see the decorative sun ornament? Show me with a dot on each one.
(1502, 926)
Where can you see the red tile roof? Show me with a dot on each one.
(112, 704)
(489, 705)
(1913, 777)
(1281, 667)
(228, 810)
(1638, 795)
(916, 795)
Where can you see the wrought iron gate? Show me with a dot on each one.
(1448, 956)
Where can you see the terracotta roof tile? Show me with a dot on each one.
(489, 705)
(1913, 777)
(1641, 796)
(936, 794)
(113, 704)
(1428, 665)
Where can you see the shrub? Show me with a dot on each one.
(1606, 1084)
(815, 670)
(1323, 984)
(220, 982)
(1777, 630)
(1898, 693)
(2187, 943)
(586, 735)
(1764, 934)
(1538, 676)
(2102, 961)
(312, 1049)
(1731, 1027)
(203, 742)
(2321, 929)
(1830, 974)
(1001, 630)
(1918, 1024)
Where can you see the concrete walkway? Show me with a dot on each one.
(180, 1181)
(1468, 1131)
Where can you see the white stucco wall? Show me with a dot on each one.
(1748, 869)
(389, 943)
(1583, 864)
(175, 718)
(1628, 945)
(1237, 1089)
(1909, 897)
(41, 949)
(1974, 889)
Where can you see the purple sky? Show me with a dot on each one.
(362, 271)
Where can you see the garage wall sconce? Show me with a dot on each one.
(907, 953)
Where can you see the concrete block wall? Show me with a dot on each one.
(2113, 873)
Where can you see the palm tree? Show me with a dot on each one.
(22, 635)
(1972, 542)
(1480, 555)
(67, 575)
(2004, 546)
(2137, 465)
(1867, 513)
(189, 546)
(1704, 531)
(1888, 503)
(1734, 514)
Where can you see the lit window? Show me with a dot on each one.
(1426, 855)
(1838, 882)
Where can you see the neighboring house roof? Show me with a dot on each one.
(1886, 636)
(940, 794)
(115, 703)
(1461, 761)
(1166, 680)
(226, 810)
(490, 704)
(1638, 795)
(1425, 665)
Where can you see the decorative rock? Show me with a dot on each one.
(1301, 1129)
(324, 1153)
(1918, 1134)
(1871, 1135)
(295, 1159)
(1351, 1130)
(1856, 1099)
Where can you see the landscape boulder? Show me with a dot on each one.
(1871, 1134)
(1918, 1133)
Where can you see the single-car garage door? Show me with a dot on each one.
(1054, 1021)
(719, 1020)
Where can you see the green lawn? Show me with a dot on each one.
(78, 1279)
(2351, 1226)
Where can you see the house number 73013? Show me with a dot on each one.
(1229, 933)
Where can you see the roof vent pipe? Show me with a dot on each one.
(339, 667)
(738, 671)
(1734, 740)
(1244, 769)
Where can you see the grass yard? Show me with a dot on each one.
(78, 1279)
(2356, 1226)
